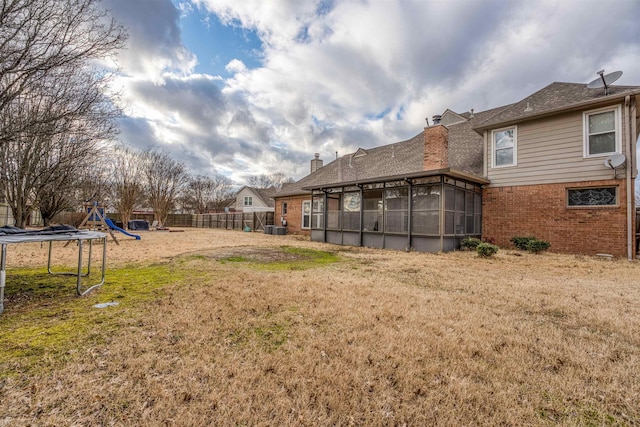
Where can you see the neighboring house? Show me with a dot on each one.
(250, 199)
(537, 167)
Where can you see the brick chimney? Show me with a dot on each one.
(316, 163)
(436, 147)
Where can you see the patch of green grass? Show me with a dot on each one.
(270, 337)
(234, 259)
(45, 321)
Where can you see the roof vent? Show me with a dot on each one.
(436, 119)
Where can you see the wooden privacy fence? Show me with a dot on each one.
(255, 221)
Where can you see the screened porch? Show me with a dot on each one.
(426, 214)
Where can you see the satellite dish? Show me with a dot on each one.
(604, 80)
(615, 161)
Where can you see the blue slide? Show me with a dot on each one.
(114, 227)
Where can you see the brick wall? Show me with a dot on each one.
(541, 211)
(293, 215)
(436, 147)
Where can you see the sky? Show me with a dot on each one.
(250, 87)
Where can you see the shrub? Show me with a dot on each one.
(470, 243)
(521, 242)
(486, 250)
(536, 245)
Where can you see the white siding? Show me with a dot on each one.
(550, 150)
(257, 205)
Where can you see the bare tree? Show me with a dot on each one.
(164, 179)
(53, 107)
(203, 194)
(67, 168)
(126, 181)
(224, 190)
(62, 123)
(276, 179)
(38, 38)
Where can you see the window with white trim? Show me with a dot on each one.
(503, 143)
(284, 208)
(248, 201)
(602, 132)
(306, 214)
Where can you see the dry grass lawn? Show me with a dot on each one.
(243, 329)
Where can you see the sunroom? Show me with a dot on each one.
(425, 212)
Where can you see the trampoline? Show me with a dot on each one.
(13, 235)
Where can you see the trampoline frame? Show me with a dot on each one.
(67, 236)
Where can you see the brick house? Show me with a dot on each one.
(559, 165)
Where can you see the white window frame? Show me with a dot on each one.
(248, 200)
(303, 214)
(618, 130)
(515, 147)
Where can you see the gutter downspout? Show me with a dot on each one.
(630, 231)
(361, 214)
(324, 216)
(409, 213)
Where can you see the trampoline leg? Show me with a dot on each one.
(79, 286)
(103, 270)
(3, 275)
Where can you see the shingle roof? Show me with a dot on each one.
(465, 145)
(405, 157)
(387, 160)
(554, 98)
(465, 140)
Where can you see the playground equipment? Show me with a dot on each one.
(95, 220)
(115, 227)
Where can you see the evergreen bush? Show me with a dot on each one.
(521, 242)
(537, 246)
(486, 250)
(470, 243)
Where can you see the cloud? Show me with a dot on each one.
(338, 75)
(236, 66)
(155, 42)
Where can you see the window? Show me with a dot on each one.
(603, 196)
(601, 132)
(306, 214)
(504, 146)
(284, 208)
(317, 220)
(248, 201)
